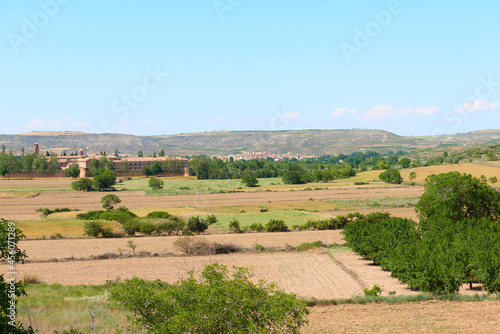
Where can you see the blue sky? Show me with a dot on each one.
(165, 67)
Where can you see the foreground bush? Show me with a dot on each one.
(276, 225)
(214, 303)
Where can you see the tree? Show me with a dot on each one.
(200, 167)
(412, 176)
(454, 196)
(156, 168)
(382, 165)
(109, 201)
(161, 153)
(27, 162)
(140, 154)
(84, 184)
(249, 180)
(53, 164)
(40, 164)
(276, 225)
(292, 177)
(391, 175)
(146, 171)
(493, 179)
(405, 162)
(212, 303)
(124, 167)
(197, 225)
(72, 171)
(9, 288)
(105, 180)
(156, 184)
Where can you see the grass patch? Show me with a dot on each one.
(401, 299)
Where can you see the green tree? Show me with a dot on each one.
(156, 168)
(140, 154)
(197, 225)
(292, 177)
(212, 303)
(156, 184)
(276, 225)
(40, 164)
(382, 165)
(146, 171)
(109, 201)
(10, 290)
(249, 180)
(404, 163)
(72, 171)
(27, 162)
(124, 167)
(391, 175)
(105, 180)
(84, 184)
(200, 167)
(161, 153)
(454, 196)
(53, 164)
(412, 176)
(493, 179)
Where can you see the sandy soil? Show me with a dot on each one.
(84, 248)
(422, 317)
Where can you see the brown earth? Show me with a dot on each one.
(18, 208)
(419, 317)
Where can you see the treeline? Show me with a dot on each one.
(27, 163)
(456, 241)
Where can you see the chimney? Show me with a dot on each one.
(80, 153)
(36, 149)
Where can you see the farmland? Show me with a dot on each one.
(82, 265)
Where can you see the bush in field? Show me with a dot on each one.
(214, 303)
(147, 227)
(194, 245)
(391, 175)
(131, 227)
(197, 225)
(156, 184)
(310, 245)
(276, 225)
(96, 228)
(158, 214)
(258, 227)
(249, 181)
(84, 184)
(234, 225)
(122, 215)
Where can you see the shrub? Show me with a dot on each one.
(194, 245)
(84, 184)
(249, 180)
(147, 227)
(276, 225)
(374, 291)
(158, 214)
(310, 245)
(93, 228)
(264, 209)
(222, 248)
(131, 227)
(392, 175)
(257, 227)
(234, 225)
(211, 219)
(213, 303)
(156, 184)
(197, 225)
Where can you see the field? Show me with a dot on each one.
(74, 269)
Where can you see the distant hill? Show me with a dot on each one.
(301, 143)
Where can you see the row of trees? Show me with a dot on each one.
(456, 241)
(214, 168)
(27, 163)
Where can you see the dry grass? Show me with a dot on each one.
(473, 169)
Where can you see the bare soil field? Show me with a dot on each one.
(419, 317)
(312, 274)
(85, 248)
(24, 208)
(473, 169)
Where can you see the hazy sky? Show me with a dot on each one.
(164, 67)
